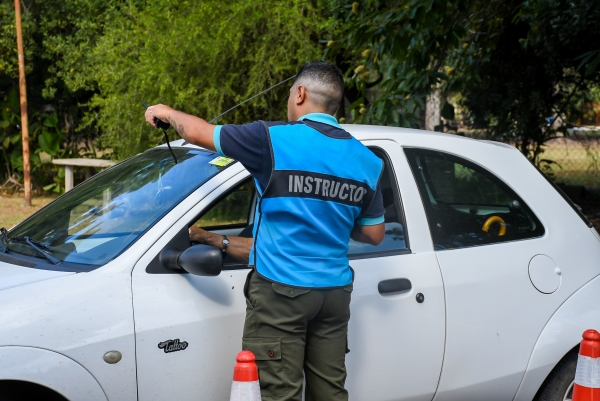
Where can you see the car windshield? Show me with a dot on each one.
(96, 221)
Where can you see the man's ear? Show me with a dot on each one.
(300, 96)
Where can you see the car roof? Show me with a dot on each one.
(404, 136)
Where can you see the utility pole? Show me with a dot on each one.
(23, 98)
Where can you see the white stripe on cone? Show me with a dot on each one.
(588, 372)
(245, 391)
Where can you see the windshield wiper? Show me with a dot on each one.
(38, 246)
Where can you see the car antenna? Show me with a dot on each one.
(247, 100)
(164, 126)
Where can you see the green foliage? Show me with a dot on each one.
(45, 139)
(90, 63)
(395, 52)
(57, 35)
(515, 63)
(199, 57)
(540, 69)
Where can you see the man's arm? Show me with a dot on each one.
(191, 128)
(368, 234)
(239, 247)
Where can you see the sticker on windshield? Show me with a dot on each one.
(221, 161)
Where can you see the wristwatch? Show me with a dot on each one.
(225, 244)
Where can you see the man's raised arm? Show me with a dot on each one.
(191, 128)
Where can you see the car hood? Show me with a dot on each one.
(15, 276)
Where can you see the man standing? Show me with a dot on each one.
(317, 186)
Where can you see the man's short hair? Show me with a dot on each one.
(324, 83)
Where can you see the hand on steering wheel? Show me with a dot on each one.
(198, 235)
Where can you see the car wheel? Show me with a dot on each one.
(15, 390)
(558, 386)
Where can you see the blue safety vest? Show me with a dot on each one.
(320, 185)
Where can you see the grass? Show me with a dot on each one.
(13, 209)
(575, 163)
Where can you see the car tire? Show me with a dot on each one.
(16, 390)
(558, 386)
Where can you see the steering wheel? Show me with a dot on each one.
(495, 219)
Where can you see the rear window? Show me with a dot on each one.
(467, 205)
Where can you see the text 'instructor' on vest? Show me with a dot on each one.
(317, 187)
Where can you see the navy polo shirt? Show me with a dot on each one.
(249, 145)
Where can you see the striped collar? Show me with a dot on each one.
(321, 118)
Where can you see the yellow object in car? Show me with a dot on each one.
(495, 219)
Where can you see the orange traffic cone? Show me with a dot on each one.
(587, 375)
(245, 385)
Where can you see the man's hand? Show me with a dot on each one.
(159, 111)
(192, 129)
(368, 234)
(239, 247)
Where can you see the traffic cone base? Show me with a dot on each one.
(245, 391)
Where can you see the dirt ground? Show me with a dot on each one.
(13, 209)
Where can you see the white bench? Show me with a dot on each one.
(89, 163)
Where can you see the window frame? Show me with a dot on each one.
(387, 161)
(492, 177)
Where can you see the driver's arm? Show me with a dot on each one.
(239, 247)
(191, 128)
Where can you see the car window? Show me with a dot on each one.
(395, 239)
(231, 211)
(467, 205)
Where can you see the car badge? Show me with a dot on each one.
(172, 345)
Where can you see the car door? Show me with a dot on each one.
(189, 328)
(397, 324)
(486, 236)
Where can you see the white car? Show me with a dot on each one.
(481, 289)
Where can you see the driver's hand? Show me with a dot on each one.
(198, 235)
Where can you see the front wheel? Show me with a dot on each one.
(558, 386)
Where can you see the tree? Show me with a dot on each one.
(199, 57)
(515, 63)
(544, 61)
(396, 52)
(58, 35)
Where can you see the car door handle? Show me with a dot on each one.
(394, 285)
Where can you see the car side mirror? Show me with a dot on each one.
(201, 260)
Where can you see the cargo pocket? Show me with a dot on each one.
(290, 292)
(274, 382)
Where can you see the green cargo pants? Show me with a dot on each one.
(291, 330)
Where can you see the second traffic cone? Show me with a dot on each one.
(245, 385)
(587, 375)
